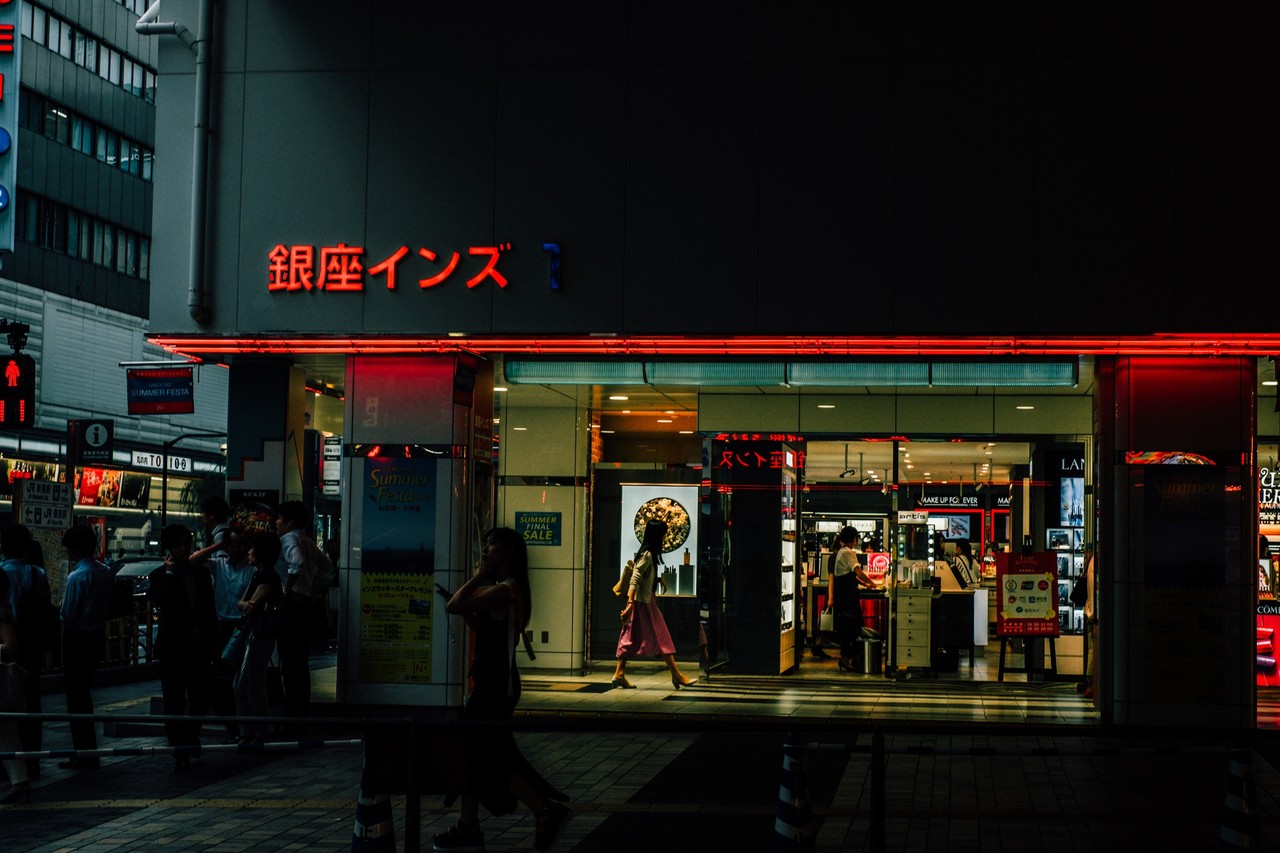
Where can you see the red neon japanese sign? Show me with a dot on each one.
(343, 268)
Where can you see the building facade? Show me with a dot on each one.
(398, 204)
(77, 278)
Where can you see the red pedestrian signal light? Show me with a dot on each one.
(17, 391)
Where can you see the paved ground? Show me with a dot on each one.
(877, 764)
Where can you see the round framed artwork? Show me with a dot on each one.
(673, 513)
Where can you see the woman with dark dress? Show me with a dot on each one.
(260, 598)
(644, 630)
(495, 603)
(848, 577)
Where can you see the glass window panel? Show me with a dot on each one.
(131, 255)
(113, 149)
(58, 228)
(135, 158)
(122, 251)
(39, 24)
(113, 73)
(149, 87)
(86, 238)
(108, 245)
(82, 134)
(26, 224)
(99, 240)
(61, 125)
(30, 104)
(86, 49)
(73, 233)
(104, 61)
(46, 223)
(67, 44)
(101, 135)
(144, 258)
(27, 12)
(147, 157)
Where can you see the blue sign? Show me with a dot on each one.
(539, 528)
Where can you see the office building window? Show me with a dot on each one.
(55, 226)
(60, 36)
(55, 121)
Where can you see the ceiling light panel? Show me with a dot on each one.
(715, 372)
(573, 372)
(843, 373)
(1007, 372)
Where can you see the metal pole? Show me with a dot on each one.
(877, 792)
(164, 469)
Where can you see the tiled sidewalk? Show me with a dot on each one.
(655, 768)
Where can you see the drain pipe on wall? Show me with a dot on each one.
(197, 304)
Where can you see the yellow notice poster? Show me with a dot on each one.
(395, 628)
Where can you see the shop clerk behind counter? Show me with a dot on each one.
(848, 579)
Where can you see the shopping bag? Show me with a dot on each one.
(826, 622)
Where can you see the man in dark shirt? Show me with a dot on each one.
(86, 602)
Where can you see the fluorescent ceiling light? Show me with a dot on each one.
(572, 372)
(1060, 372)
(715, 372)
(1005, 372)
(834, 373)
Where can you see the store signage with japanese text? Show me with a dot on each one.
(343, 268)
(43, 504)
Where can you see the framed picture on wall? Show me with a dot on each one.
(1059, 538)
(1064, 565)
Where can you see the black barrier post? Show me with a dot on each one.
(412, 798)
(877, 793)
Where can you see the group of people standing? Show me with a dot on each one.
(225, 612)
(254, 586)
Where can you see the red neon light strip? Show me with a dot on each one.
(1170, 344)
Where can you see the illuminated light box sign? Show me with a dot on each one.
(743, 455)
(161, 391)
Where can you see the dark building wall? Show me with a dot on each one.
(736, 168)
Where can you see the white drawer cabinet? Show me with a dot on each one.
(911, 628)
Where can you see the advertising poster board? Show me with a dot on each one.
(1268, 672)
(676, 505)
(397, 581)
(1028, 589)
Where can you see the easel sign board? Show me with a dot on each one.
(1028, 589)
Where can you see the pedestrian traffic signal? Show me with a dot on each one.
(17, 391)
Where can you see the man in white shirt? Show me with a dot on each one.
(297, 570)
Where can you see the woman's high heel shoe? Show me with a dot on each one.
(622, 682)
(21, 791)
(677, 683)
(845, 664)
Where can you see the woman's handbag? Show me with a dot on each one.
(13, 696)
(233, 653)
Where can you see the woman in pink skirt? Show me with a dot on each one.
(644, 631)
